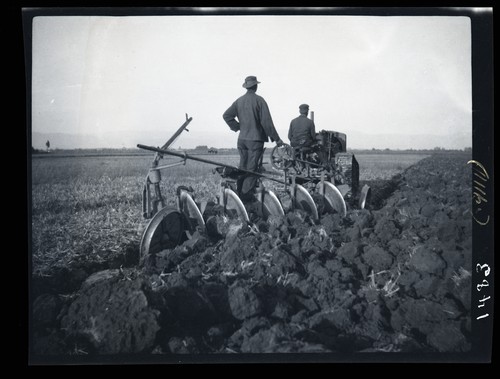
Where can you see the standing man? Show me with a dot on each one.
(302, 132)
(256, 127)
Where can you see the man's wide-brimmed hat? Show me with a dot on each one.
(303, 106)
(250, 81)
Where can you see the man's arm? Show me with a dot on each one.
(230, 117)
(267, 122)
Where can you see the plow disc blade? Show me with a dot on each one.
(364, 196)
(234, 206)
(305, 202)
(164, 231)
(334, 201)
(270, 205)
(192, 213)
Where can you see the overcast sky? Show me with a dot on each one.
(129, 80)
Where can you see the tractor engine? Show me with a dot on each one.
(345, 166)
(332, 152)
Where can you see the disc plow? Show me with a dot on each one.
(322, 179)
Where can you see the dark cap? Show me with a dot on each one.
(303, 106)
(250, 81)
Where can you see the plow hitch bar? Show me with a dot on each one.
(186, 156)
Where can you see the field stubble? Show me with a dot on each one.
(89, 208)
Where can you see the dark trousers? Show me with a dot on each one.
(250, 156)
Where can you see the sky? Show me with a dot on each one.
(394, 82)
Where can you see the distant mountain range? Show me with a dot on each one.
(128, 139)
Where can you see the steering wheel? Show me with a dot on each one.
(282, 157)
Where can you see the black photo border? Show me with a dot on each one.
(482, 151)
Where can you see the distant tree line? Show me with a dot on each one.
(38, 151)
(203, 149)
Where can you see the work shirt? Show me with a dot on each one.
(254, 119)
(302, 131)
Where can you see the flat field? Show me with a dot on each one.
(88, 207)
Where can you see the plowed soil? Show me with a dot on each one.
(392, 278)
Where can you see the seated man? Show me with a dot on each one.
(302, 133)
